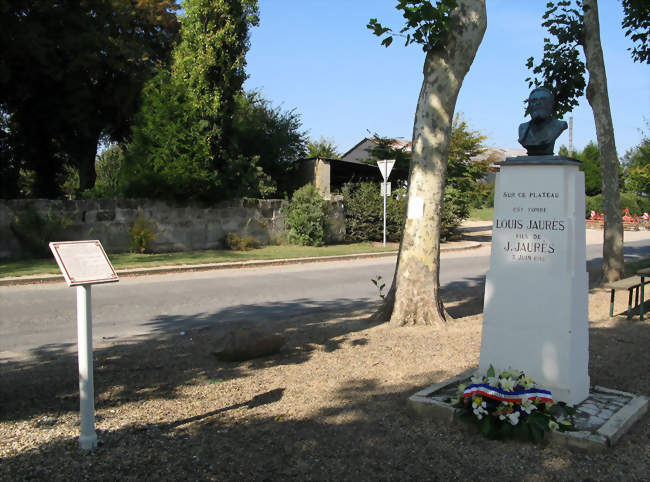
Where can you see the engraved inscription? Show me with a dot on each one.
(527, 235)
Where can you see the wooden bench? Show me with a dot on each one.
(630, 284)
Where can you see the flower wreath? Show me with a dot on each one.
(509, 403)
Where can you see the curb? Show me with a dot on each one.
(56, 278)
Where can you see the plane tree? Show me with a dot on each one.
(574, 26)
(449, 33)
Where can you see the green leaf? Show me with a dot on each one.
(490, 372)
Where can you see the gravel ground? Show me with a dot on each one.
(331, 405)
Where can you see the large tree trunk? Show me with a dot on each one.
(414, 297)
(599, 100)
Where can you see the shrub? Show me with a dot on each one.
(455, 208)
(636, 204)
(364, 212)
(143, 234)
(35, 232)
(236, 242)
(307, 217)
(593, 203)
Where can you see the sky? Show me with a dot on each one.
(318, 57)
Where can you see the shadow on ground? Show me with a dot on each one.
(179, 352)
(365, 433)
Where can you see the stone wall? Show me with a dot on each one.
(178, 227)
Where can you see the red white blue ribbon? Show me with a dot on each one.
(495, 393)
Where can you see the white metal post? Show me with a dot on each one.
(385, 211)
(385, 167)
(88, 437)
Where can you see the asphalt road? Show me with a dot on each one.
(42, 318)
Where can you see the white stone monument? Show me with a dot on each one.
(535, 310)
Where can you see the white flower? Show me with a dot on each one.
(479, 412)
(553, 425)
(528, 383)
(515, 373)
(478, 407)
(507, 384)
(513, 418)
(493, 381)
(527, 406)
(476, 380)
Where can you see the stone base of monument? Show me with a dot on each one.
(600, 420)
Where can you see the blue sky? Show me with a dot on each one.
(317, 57)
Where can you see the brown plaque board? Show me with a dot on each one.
(83, 262)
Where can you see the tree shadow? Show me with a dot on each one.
(179, 351)
(365, 432)
(464, 298)
(619, 345)
(157, 365)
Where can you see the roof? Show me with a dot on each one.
(397, 144)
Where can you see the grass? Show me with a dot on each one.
(120, 261)
(481, 214)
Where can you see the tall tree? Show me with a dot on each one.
(575, 24)
(590, 158)
(211, 59)
(71, 72)
(199, 136)
(322, 148)
(273, 136)
(637, 167)
(636, 22)
(169, 155)
(450, 33)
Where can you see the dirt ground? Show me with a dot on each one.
(330, 406)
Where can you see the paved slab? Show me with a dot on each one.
(600, 421)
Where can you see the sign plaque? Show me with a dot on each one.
(83, 262)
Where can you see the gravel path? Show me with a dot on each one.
(330, 406)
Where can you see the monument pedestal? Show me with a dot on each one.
(536, 293)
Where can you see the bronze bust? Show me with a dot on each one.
(539, 134)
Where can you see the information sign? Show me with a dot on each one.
(83, 262)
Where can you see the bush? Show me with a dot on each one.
(236, 242)
(35, 232)
(364, 212)
(307, 217)
(483, 195)
(636, 204)
(455, 209)
(143, 234)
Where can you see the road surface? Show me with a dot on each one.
(43, 317)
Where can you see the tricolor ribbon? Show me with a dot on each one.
(494, 393)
